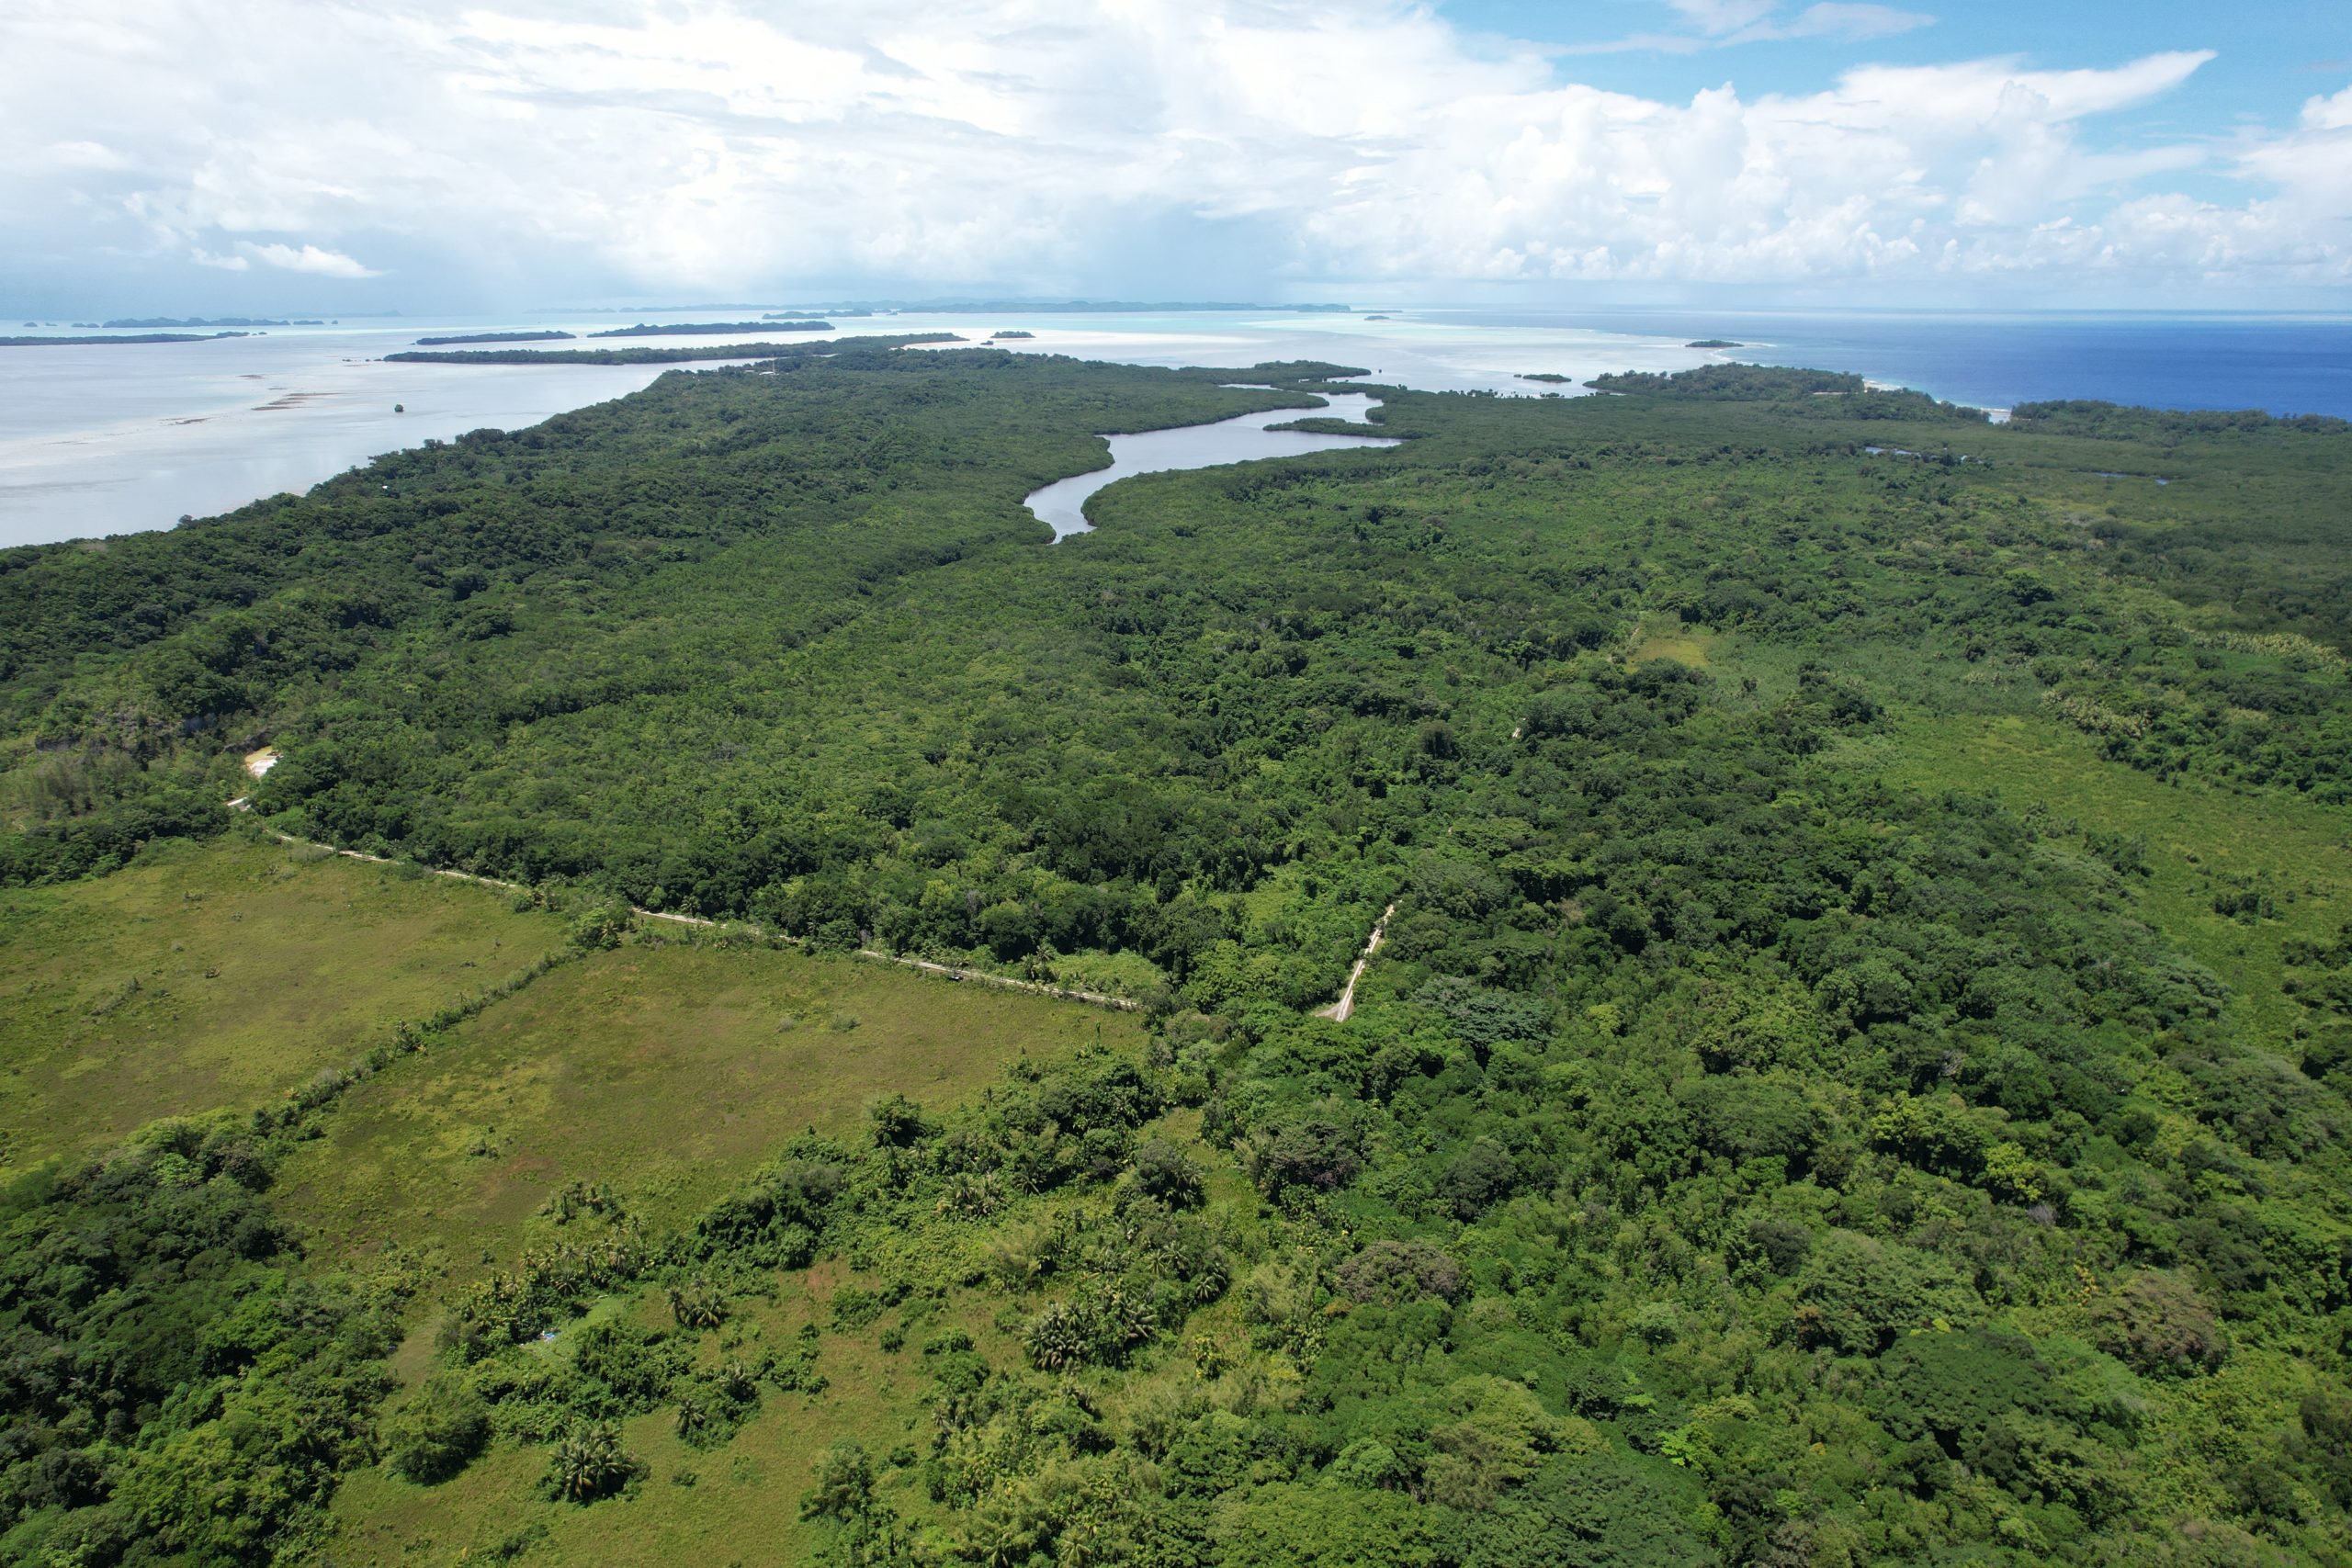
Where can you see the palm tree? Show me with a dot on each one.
(697, 1304)
(589, 1462)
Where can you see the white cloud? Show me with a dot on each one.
(527, 146)
(307, 258)
(203, 257)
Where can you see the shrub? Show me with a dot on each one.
(438, 1433)
(1163, 1172)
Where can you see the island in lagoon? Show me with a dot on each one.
(1714, 342)
(87, 342)
(492, 337)
(169, 321)
(691, 328)
(680, 355)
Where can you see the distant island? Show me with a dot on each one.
(782, 315)
(1552, 375)
(139, 337)
(686, 329)
(1014, 331)
(492, 337)
(169, 321)
(1091, 307)
(664, 355)
(1714, 342)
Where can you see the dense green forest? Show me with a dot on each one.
(1769, 1132)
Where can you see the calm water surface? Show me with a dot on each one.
(1062, 504)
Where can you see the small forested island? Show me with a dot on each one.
(1010, 332)
(676, 355)
(1714, 342)
(53, 340)
(1553, 377)
(1623, 982)
(201, 321)
(493, 337)
(692, 328)
(1039, 306)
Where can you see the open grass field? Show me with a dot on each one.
(2201, 842)
(219, 976)
(664, 1071)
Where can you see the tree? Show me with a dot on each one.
(437, 1433)
(2158, 1323)
(589, 1463)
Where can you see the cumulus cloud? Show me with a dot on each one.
(309, 258)
(1185, 145)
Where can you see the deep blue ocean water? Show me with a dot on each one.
(2283, 364)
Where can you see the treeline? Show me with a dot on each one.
(662, 355)
(765, 325)
(2118, 422)
(493, 337)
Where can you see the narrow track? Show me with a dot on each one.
(1340, 1012)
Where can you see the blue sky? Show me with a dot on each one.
(2269, 56)
(173, 156)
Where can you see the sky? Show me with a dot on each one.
(307, 156)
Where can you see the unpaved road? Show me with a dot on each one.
(1339, 1012)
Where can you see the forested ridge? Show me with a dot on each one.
(1760, 1139)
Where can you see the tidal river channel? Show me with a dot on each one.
(1062, 504)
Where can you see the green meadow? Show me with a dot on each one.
(223, 975)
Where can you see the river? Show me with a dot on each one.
(1061, 505)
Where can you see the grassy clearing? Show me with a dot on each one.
(1670, 640)
(221, 975)
(2201, 842)
(664, 1071)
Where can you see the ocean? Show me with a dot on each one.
(2280, 364)
(121, 438)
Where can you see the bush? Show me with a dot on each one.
(438, 1433)
(1163, 1172)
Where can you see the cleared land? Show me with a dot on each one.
(666, 1072)
(223, 975)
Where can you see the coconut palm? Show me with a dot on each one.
(589, 1463)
